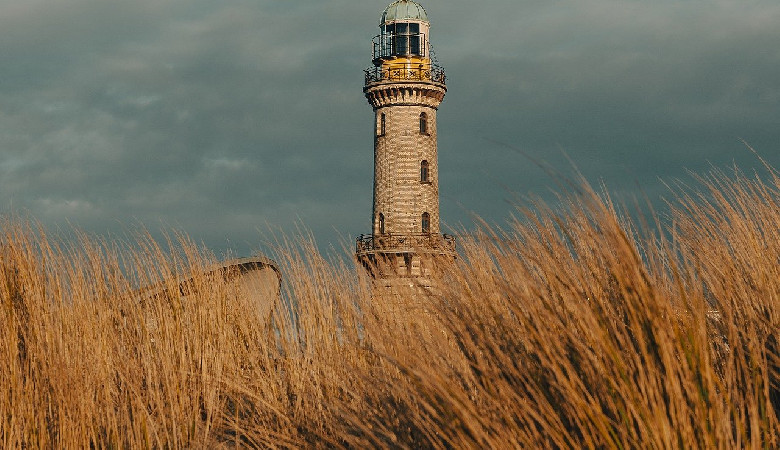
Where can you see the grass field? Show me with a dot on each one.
(572, 328)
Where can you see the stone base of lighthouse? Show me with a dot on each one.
(405, 263)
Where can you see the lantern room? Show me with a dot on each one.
(403, 35)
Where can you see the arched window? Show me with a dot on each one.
(381, 223)
(382, 125)
(424, 172)
(426, 223)
(423, 123)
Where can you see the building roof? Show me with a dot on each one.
(228, 270)
(404, 10)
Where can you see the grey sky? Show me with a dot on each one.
(224, 118)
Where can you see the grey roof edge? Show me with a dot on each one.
(225, 268)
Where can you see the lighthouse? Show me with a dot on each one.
(405, 87)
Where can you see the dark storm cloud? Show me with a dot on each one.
(630, 91)
(224, 117)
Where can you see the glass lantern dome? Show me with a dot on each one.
(402, 50)
(404, 10)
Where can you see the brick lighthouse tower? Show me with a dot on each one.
(404, 87)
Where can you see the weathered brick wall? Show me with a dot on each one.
(399, 193)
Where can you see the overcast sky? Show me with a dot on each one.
(224, 118)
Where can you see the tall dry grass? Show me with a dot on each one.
(574, 328)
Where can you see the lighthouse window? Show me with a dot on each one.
(424, 172)
(402, 39)
(426, 223)
(382, 125)
(414, 43)
(381, 223)
(414, 38)
(423, 123)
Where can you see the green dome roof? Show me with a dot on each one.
(404, 10)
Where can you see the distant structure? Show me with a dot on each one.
(256, 280)
(405, 87)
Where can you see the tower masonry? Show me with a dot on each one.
(405, 88)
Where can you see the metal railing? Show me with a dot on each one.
(405, 73)
(395, 45)
(405, 242)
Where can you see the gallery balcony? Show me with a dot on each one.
(437, 244)
(405, 73)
